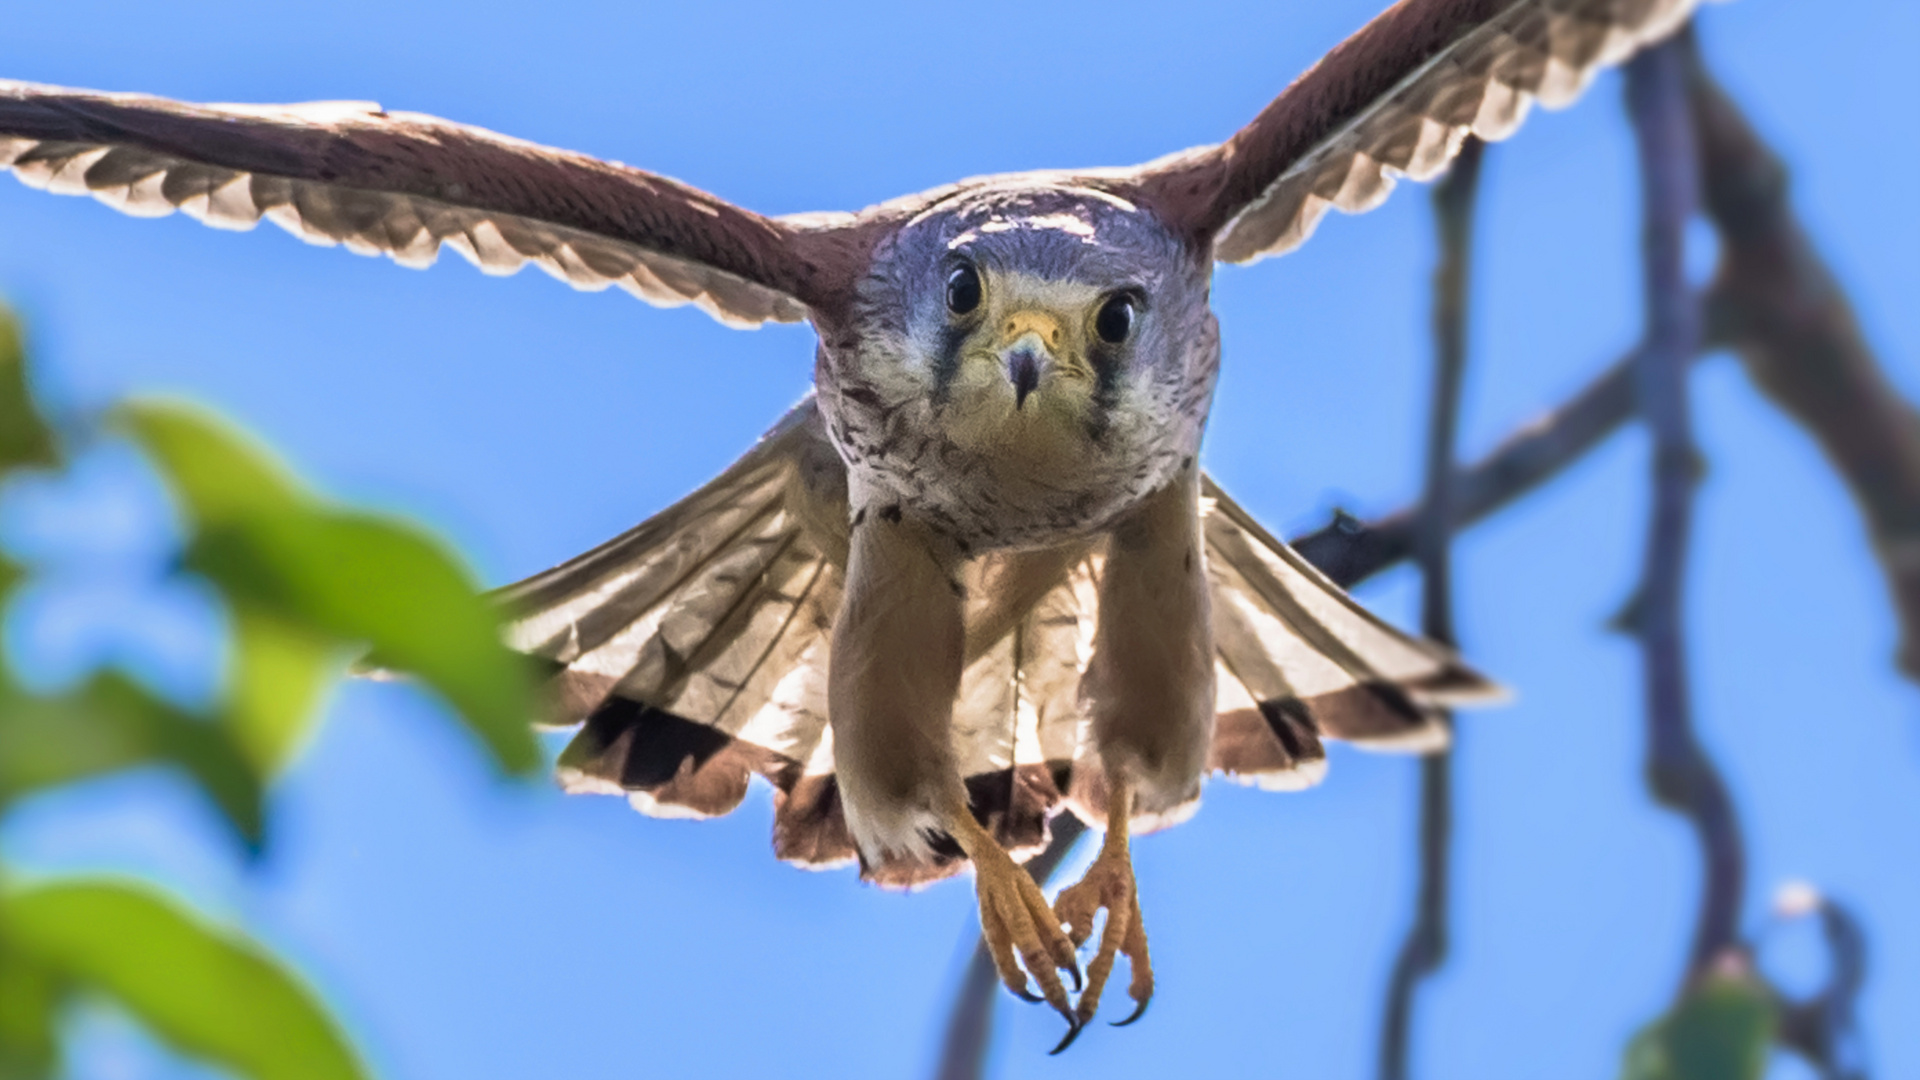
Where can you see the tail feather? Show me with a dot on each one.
(693, 651)
(1263, 745)
(1055, 642)
(666, 765)
(809, 821)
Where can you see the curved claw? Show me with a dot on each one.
(1073, 1032)
(1139, 1011)
(1079, 979)
(1028, 996)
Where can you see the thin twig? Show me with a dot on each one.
(1425, 947)
(1349, 550)
(1824, 1028)
(1678, 770)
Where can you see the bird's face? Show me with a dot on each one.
(1034, 321)
(1030, 363)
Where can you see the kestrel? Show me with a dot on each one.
(978, 575)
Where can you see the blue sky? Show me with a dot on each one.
(468, 929)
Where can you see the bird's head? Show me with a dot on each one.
(1034, 318)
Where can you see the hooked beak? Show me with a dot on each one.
(1023, 370)
(1028, 340)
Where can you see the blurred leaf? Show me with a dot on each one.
(28, 994)
(280, 671)
(367, 580)
(354, 578)
(209, 993)
(1719, 1032)
(24, 437)
(10, 575)
(219, 473)
(110, 724)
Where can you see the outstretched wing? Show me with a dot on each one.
(689, 645)
(693, 651)
(1396, 99)
(404, 184)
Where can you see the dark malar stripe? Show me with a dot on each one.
(946, 365)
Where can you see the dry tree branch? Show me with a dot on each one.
(1678, 770)
(1425, 946)
(1777, 303)
(1350, 551)
(1824, 1028)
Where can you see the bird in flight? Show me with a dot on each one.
(977, 576)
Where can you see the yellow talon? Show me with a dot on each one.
(1109, 884)
(1016, 921)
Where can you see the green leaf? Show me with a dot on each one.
(363, 579)
(10, 575)
(28, 995)
(345, 577)
(220, 474)
(211, 994)
(24, 437)
(1720, 1031)
(110, 724)
(279, 673)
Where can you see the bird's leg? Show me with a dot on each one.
(1109, 884)
(898, 649)
(1149, 692)
(1016, 921)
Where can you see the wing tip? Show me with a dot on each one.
(1352, 167)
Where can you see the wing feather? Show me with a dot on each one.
(1331, 620)
(1314, 659)
(406, 185)
(1257, 744)
(579, 604)
(1396, 99)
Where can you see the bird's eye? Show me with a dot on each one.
(963, 289)
(1115, 320)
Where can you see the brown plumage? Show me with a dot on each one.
(1396, 97)
(979, 576)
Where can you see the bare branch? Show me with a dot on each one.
(1349, 551)
(1779, 306)
(1824, 1028)
(1425, 946)
(1454, 199)
(1678, 770)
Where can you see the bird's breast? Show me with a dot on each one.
(992, 476)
